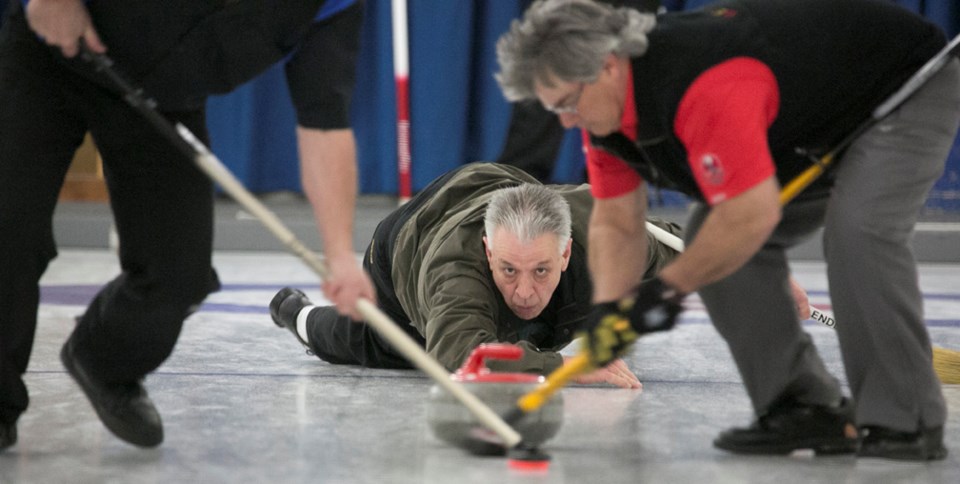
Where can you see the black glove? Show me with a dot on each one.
(613, 326)
(656, 308)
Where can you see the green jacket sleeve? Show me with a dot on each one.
(459, 314)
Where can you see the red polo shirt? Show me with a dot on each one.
(722, 121)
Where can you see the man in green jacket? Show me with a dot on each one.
(451, 283)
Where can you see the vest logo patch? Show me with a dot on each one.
(724, 12)
(712, 170)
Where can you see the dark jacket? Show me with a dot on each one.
(442, 279)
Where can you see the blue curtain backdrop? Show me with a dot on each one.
(457, 112)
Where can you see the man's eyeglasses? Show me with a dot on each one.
(569, 106)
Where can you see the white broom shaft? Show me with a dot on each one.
(212, 165)
(919, 78)
(675, 243)
(409, 348)
(666, 238)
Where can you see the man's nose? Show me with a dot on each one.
(524, 289)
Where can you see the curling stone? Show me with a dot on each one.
(453, 423)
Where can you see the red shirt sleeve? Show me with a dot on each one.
(609, 175)
(723, 120)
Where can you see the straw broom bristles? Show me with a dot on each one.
(947, 365)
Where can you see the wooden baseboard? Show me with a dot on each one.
(85, 188)
(84, 181)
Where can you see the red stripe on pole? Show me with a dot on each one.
(403, 139)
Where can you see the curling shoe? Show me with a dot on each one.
(124, 408)
(922, 445)
(8, 435)
(792, 426)
(284, 309)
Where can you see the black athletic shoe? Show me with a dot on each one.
(123, 408)
(8, 435)
(790, 427)
(926, 444)
(285, 307)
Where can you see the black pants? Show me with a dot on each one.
(162, 205)
(338, 339)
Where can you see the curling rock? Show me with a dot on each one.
(453, 423)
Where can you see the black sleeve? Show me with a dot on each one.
(322, 71)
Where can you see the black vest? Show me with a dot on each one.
(834, 62)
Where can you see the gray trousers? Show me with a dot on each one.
(881, 185)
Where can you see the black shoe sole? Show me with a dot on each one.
(883, 443)
(119, 428)
(902, 452)
(819, 447)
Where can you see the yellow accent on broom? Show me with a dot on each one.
(947, 365)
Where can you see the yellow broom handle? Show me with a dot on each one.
(557, 380)
(803, 180)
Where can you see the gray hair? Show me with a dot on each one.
(566, 39)
(528, 211)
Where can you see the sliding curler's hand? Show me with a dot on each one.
(613, 326)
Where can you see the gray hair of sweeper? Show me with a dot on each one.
(566, 40)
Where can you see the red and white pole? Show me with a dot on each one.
(401, 68)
